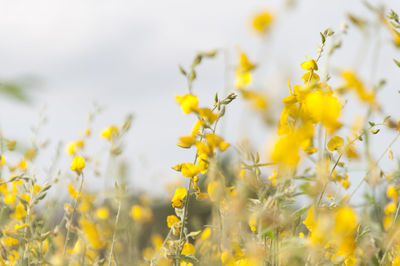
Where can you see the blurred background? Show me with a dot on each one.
(124, 56)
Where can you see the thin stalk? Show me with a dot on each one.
(185, 211)
(154, 259)
(73, 213)
(380, 158)
(115, 233)
(396, 214)
(325, 186)
(27, 221)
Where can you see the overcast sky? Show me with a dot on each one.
(124, 55)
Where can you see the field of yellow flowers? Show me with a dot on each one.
(299, 203)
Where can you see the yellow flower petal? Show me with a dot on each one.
(335, 143)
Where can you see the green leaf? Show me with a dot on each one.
(182, 70)
(323, 39)
(210, 54)
(397, 62)
(15, 91)
(194, 234)
(197, 61)
(374, 131)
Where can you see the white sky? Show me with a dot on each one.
(124, 55)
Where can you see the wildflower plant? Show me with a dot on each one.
(299, 202)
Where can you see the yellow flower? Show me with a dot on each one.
(2, 160)
(206, 233)
(347, 246)
(9, 241)
(72, 192)
(136, 212)
(109, 132)
(188, 102)
(392, 193)
(196, 128)
(310, 77)
(26, 197)
(19, 226)
(396, 261)
(335, 143)
(188, 249)
(273, 178)
(70, 149)
(387, 221)
(187, 141)
(244, 63)
(207, 114)
(180, 194)
(243, 79)
(345, 183)
(227, 258)
(30, 153)
(390, 208)
(80, 143)
(102, 213)
(203, 148)
(324, 108)
(353, 82)
(13, 257)
(345, 220)
(203, 163)
(215, 141)
(310, 221)
(262, 21)
(92, 233)
(73, 146)
(286, 150)
(23, 164)
(189, 170)
(78, 163)
(309, 65)
(9, 199)
(20, 212)
(87, 132)
(35, 189)
(253, 221)
(243, 74)
(257, 100)
(392, 29)
(171, 220)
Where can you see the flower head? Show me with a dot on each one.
(109, 132)
(262, 21)
(188, 102)
(180, 194)
(78, 163)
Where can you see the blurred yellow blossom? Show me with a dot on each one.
(309, 65)
(180, 194)
(102, 213)
(188, 102)
(109, 132)
(335, 143)
(262, 21)
(78, 163)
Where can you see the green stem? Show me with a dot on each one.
(73, 213)
(115, 233)
(185, 212)
(380, 158)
